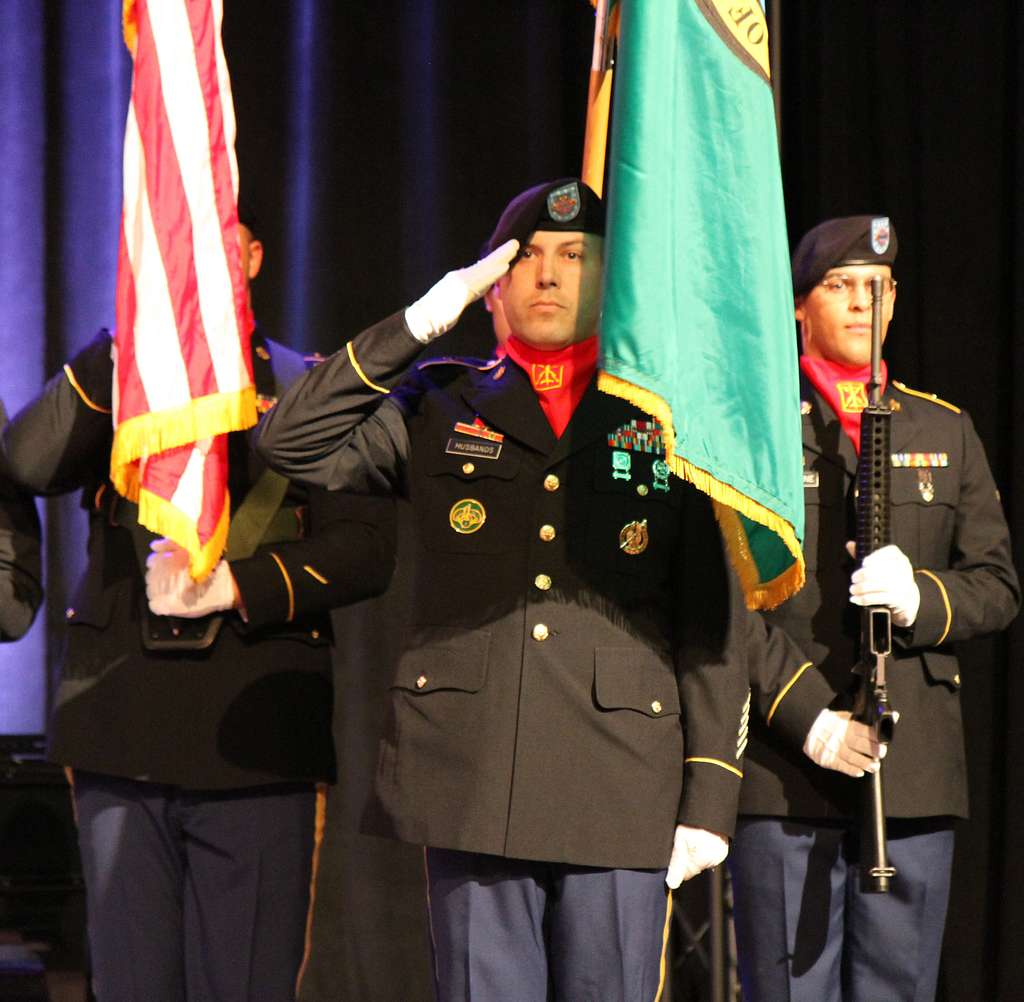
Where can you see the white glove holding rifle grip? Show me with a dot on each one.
(693, 850)
(172, 592)
(886, 577)
(835, 741)
(440, 309)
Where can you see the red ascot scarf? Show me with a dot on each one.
(559, 378)
(844, 388)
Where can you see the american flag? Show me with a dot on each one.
(182, 358)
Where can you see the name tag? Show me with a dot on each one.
(810, 478)
(477, 448)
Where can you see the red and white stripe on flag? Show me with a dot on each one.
(182, 356)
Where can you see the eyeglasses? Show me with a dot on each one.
(847, 285)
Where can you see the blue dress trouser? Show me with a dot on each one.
(510, 930)
(805, 932)
(195, 896)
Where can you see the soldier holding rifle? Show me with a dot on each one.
(807, 927)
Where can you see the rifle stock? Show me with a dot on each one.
(874, 493)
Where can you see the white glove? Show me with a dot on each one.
(442, 306)
(886, 577)
(693, 850)
(172, 592)
(848, 746)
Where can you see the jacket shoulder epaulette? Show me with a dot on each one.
(926, 396)
(479, 364)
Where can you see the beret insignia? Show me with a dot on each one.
(564, 203)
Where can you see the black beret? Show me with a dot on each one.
(847, 240)
(565, 204)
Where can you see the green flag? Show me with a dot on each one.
(698, 325)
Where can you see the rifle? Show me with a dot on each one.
(873, 506)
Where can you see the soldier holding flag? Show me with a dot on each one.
(569, 715)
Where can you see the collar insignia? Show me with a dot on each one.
(547, 377)
(853, 397)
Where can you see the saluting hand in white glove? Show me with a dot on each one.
(886, 577)
(441, 307)
(693, 850)
(172, 592)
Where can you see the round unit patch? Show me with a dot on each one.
(467, 516)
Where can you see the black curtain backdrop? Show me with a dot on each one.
(379, 141)
(916, 110)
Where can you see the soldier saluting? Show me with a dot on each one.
(574, 620)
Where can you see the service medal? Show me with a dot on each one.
(467, 516)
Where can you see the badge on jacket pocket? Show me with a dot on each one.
(467, 516)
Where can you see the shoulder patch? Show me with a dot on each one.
(479, 364)
(926, 396)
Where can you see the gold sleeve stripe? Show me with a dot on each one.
(288, 585)
(715, 761)
(926, 396)
(85, 397)
(359, 371)
(315, 574)
(785, 690)
(945, 602)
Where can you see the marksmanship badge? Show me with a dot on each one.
(633, 538)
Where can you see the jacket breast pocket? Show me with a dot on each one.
(924, 504)
(633, 513)
(468, 504)
(825, 501)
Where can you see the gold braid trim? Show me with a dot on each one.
(945, 602)
(359, 371)
(715, 761)
(785, 690)
(85, 396)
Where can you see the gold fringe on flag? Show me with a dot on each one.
(727, 501)
(157, 431)
(130, 25)
(163, 518)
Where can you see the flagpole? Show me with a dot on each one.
(595, 140)
(775, 58)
